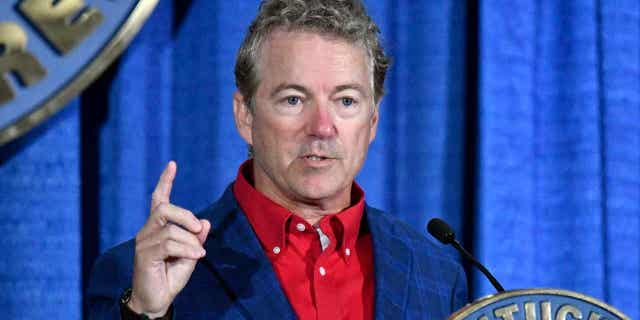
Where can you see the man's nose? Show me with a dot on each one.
(321, 121)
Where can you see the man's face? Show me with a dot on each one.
(314, 117)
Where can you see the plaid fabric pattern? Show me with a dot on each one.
(414, 278)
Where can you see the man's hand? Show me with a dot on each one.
(167, 249)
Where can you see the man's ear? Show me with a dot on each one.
(374, 123)
(243, 117)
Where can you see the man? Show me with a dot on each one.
(292, 235)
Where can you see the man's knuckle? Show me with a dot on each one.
(172, 231)
(163, 248)
(141, 236)
(167, 246)
(156, 197)
(158, 219)
(155, 211)
(163, 207)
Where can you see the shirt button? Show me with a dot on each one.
(300, 227)
(347, 252)
(322, 271)
(276, 250)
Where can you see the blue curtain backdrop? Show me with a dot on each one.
(517, 121)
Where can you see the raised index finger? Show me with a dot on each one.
(162, 192)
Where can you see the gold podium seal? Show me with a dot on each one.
(538, 304)
(51, 50)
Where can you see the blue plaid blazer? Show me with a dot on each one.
(414, 278)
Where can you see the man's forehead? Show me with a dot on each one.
(282, 47)
(281, 37)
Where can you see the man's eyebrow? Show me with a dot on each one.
(351, 86)
(285, 86)
(297, 87)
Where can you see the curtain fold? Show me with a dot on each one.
(40, 238)
(517, 122)
(417, 154)
(559, 151)
(619, 97)
(135, 131)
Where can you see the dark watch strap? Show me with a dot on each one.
(127, 314)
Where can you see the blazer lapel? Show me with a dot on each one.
(235, 254)
(393, 266)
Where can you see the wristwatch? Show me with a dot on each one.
(127, 314)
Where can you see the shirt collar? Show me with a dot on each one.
(270, 220)
(346, 224)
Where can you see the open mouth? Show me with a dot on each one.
(316, 158)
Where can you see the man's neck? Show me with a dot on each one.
(311, 210)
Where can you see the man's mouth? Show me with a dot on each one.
(316, 158)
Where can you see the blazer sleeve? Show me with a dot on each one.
(111, 275)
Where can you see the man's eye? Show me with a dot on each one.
(293, 100)
(347, 102)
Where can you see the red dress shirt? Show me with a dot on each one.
(334, 283)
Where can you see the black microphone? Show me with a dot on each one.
(441, 231)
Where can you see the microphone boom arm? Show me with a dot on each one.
(475, 262)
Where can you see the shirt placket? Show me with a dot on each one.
(326, 297)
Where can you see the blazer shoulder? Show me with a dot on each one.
(220, 210)
(421, 245)
(436, 270)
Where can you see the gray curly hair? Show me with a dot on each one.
(345, 19)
